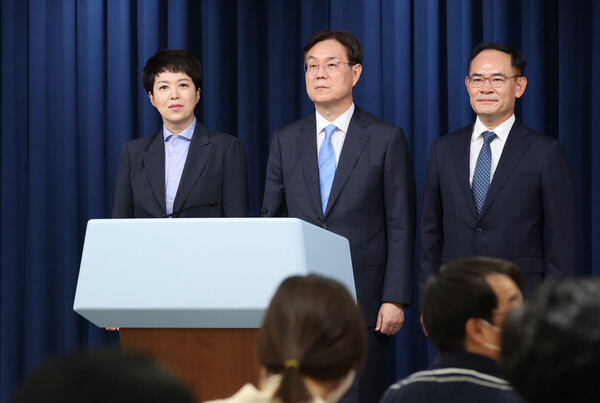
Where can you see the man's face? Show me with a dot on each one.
(494, 105)
(175, 96)
(331, 89)
(509, 297)
(508, 294)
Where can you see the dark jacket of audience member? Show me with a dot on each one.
(102, 376)
(463, 310)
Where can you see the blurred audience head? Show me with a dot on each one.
(102, 376)
(465, 304)
(313, 331)
(551, 347)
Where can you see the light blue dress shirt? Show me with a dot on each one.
(176, 151)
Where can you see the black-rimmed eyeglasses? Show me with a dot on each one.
(332, 66)
(496, 80)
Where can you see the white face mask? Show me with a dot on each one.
(492, 328)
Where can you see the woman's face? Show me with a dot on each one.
(175, 96)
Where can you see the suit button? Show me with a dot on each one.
(324, 226)
(479, 231)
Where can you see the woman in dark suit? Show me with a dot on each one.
(184, 170)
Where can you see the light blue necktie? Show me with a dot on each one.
(326, 165)
(483, 168)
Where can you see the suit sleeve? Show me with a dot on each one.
(559, 214)
(235, 181)
(431, 235)
(274, 202)
(123, 203)
(399, 204)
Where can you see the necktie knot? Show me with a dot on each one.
(329, 130)
(488, 137)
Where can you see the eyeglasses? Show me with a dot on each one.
(331, 67)
(496, 81)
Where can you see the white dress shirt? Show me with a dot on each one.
(497, 145)
(338, 137)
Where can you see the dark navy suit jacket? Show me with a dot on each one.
(372, 201)
(528, 216)
(214, 182)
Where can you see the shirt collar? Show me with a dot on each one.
(463, 359)
(187, 133)
(342, 122)
(501, 130)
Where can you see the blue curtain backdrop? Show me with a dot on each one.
(72, 95)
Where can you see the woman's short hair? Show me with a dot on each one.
(173, 61)
(312, 328)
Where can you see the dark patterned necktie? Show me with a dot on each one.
(483, 168)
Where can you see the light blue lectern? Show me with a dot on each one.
(174, 282)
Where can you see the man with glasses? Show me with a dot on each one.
(351, 173)
(464, 307)
(498, 188)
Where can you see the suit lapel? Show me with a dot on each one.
(355, 141)
(195, 162)
(461, 156)
(515, 146)
(154, 161)
(306, 144)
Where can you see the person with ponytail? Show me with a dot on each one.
(310, 346)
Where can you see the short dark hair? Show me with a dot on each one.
(517, 60)
(458, 293)
(102, 375)
(173, 61)
(551, 347)
(353, 49)
(312, 328)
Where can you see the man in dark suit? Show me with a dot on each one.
(184, 170)
(498, 188)
(351, 173)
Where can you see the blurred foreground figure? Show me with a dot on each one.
(102, 376)
(310, 346)
(464, 307)
(551, 347)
